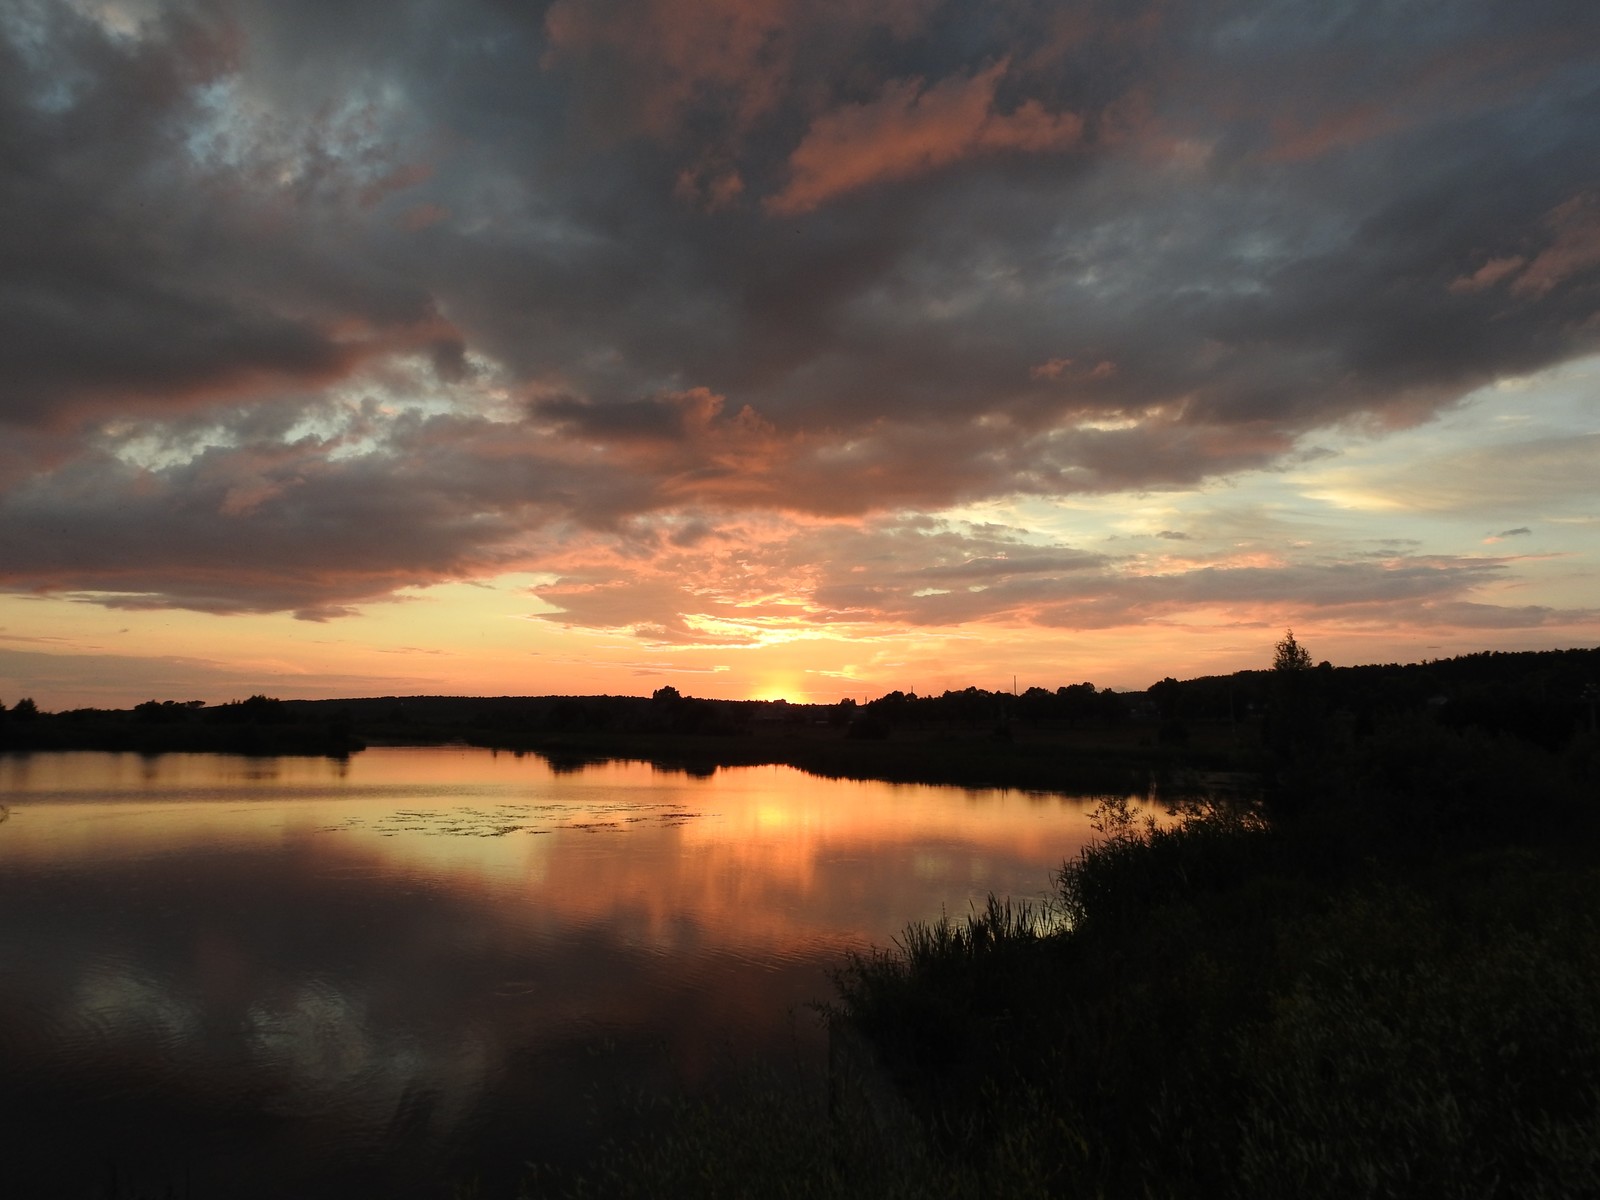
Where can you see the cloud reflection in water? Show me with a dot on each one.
(429, 962)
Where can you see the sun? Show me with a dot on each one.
(779, 687)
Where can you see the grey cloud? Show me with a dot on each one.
(664, 417)
(1486, 481)
(1400, 593)
(1467, 615)
(248, 203)
(155, 251)
(272, 527)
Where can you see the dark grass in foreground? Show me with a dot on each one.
(1391, 988)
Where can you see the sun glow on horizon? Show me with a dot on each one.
(1118, 589)
(781, 687)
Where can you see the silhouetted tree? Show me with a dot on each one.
(1293, 716)
(1166, 696)
(166, 711)
(842, 713)
(1290, 655)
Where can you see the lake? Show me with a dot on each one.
(312, 977)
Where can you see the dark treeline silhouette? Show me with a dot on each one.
(667, 711)
(1376, 974)
(1286, 711)
(258, 725)
(1079, 705)
(1542, 696)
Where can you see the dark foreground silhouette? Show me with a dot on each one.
(1376, 971)
(1076, 738)
(1378, 976)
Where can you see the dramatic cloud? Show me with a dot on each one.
(910, 130)
(304, 307)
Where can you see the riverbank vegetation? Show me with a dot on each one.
(259, 726)
(1076, 738)
(1378, 976)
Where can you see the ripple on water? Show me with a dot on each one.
(511, 820)
(117, 1012)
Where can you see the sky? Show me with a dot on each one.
(772, 348)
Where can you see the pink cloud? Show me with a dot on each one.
(675, 55)
(912, 129)
(1063, 368)
(422, 216)
(1491, 273)
(676, 50)
(769, 579)
(1575, 248)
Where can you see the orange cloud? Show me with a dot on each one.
(1062, 368)
(660, 60)
(676, 50)
(1573, 249)
(1491, 273)
(1576, 246)
(913, 129)
(1337, 131)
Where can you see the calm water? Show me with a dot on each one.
(306, 977)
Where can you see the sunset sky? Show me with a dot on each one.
(775, 348)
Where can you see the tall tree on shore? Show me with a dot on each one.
(1292, 718)
(1290, 655)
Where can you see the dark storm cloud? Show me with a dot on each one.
(271, 526)
(665, 417)
(155, 251)
(771, 255)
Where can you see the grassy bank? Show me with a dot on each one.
(1384, 981)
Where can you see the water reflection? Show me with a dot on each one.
(319, 976)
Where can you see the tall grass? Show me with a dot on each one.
(1390, 987)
